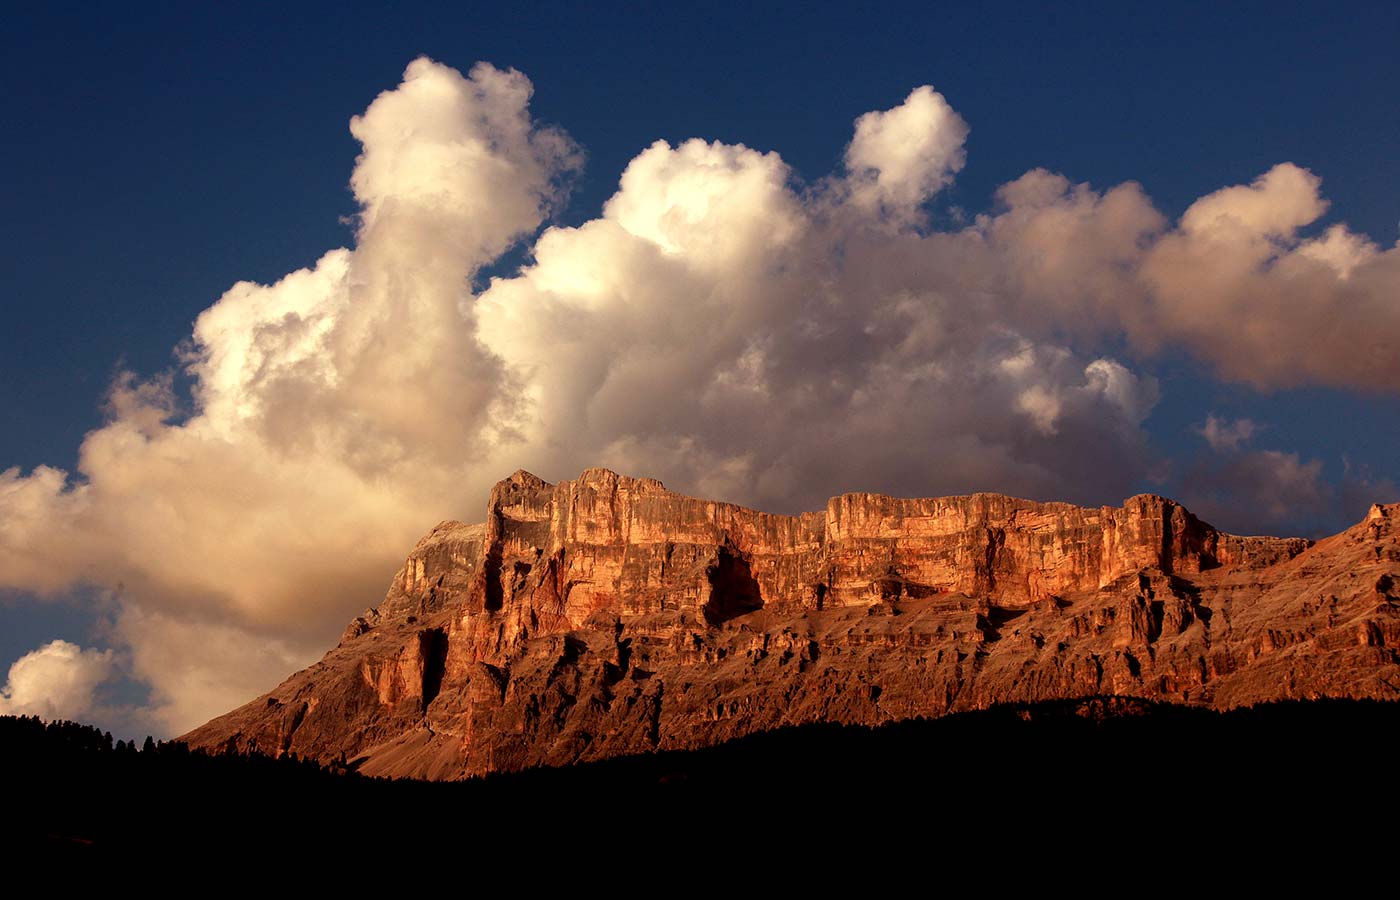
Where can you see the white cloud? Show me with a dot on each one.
(1237, 286)
(708, 204)
(201, 669)
(717, 326)
(335, 410)
(1277, 204)
(1134, 396)
(56, 681)
(1224, 435)
(1340, 249)
(900, 157)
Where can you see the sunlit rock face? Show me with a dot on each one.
(607, 615)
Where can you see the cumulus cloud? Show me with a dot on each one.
(719, 328)
(333, 412)
(1226, 435)
(1238, 286)
(900, 157)
(720, 325)
(196, 666)
(56, 681)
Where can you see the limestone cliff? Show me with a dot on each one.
(607, 615)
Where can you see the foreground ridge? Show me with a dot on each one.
(607, 615)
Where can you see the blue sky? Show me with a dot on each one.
(155, 158)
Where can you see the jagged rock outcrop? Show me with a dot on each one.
(607, 615)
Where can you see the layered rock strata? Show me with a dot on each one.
(607, 615)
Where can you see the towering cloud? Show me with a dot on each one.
(334, 411)
(720, 325)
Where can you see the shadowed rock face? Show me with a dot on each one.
(607, 615)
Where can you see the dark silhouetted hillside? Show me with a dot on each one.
(1097, 772)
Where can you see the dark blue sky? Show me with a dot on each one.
(154, 156)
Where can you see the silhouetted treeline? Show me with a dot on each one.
(33, 744)
(1100, 771)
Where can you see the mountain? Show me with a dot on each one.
(607, 616)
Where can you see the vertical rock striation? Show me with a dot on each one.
(607, 615)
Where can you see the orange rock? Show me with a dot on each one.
(607, 615)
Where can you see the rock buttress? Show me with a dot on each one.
(607, 615)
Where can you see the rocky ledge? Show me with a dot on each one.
(607, 615)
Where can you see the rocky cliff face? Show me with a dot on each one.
(607, 615)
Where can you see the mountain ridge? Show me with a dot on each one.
(607, 615)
